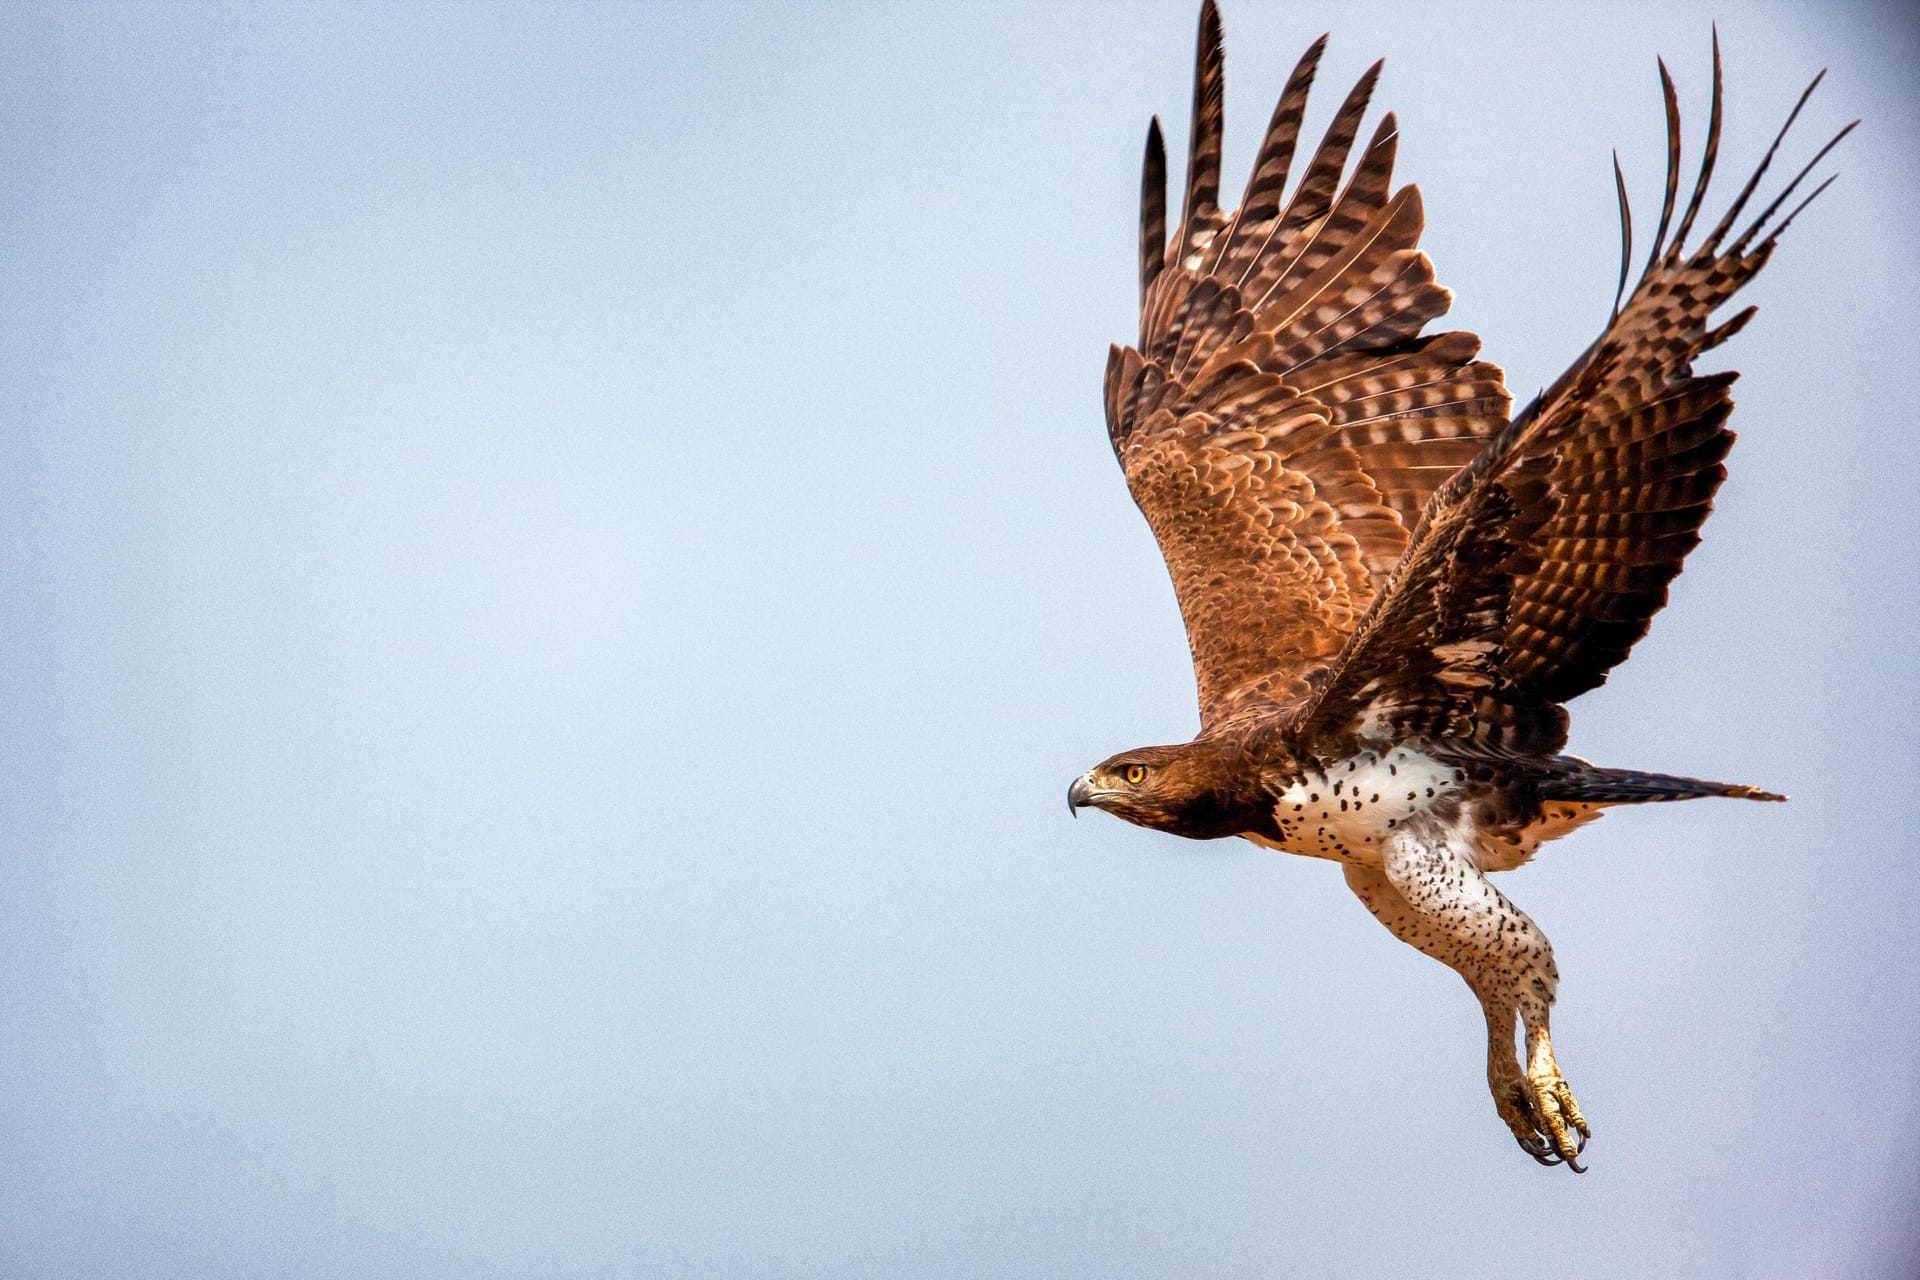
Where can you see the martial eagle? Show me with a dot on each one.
(1389, 585)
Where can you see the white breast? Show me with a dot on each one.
(1347, 812)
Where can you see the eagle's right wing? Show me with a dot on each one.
(1282, 423)
(1536, 569)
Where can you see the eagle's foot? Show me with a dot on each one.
(1538, 1107)
(1558, 1131)
(1545, 1121)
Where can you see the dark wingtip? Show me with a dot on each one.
(1787, 221)
(1153, 208)
(1626, 233)
(1210, 36)
(1759, 223)
(1204, 140)
(1671, 97)
(1707, 158)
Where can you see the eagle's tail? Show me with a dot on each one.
(1578, 780)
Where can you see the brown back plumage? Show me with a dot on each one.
(1538, 567)
(1282, 423)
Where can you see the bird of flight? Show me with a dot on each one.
(1390, 585)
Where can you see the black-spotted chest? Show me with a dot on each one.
(1348, 810)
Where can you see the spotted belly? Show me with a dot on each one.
(1347, 812)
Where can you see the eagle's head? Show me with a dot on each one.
(1192, 790)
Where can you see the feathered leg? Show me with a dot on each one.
(1431, 895)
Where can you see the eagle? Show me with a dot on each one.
(1390, 583)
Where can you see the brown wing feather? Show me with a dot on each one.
(1537, 568)
(1282, 422)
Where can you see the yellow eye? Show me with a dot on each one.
(1136, 774)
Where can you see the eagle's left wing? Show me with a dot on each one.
(1536, 569)
(1282, 422)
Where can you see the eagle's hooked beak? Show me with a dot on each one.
(1081, 792)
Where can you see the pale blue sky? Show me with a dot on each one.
(558, 563)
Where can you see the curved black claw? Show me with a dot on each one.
(1546, 1155)
(1547, 1147)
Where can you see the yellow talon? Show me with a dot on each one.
(1559, 1117)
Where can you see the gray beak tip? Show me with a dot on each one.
(1079, 793)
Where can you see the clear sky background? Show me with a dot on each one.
(557, 564)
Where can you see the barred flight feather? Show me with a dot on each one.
(1282, 413)
(1557, 542)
